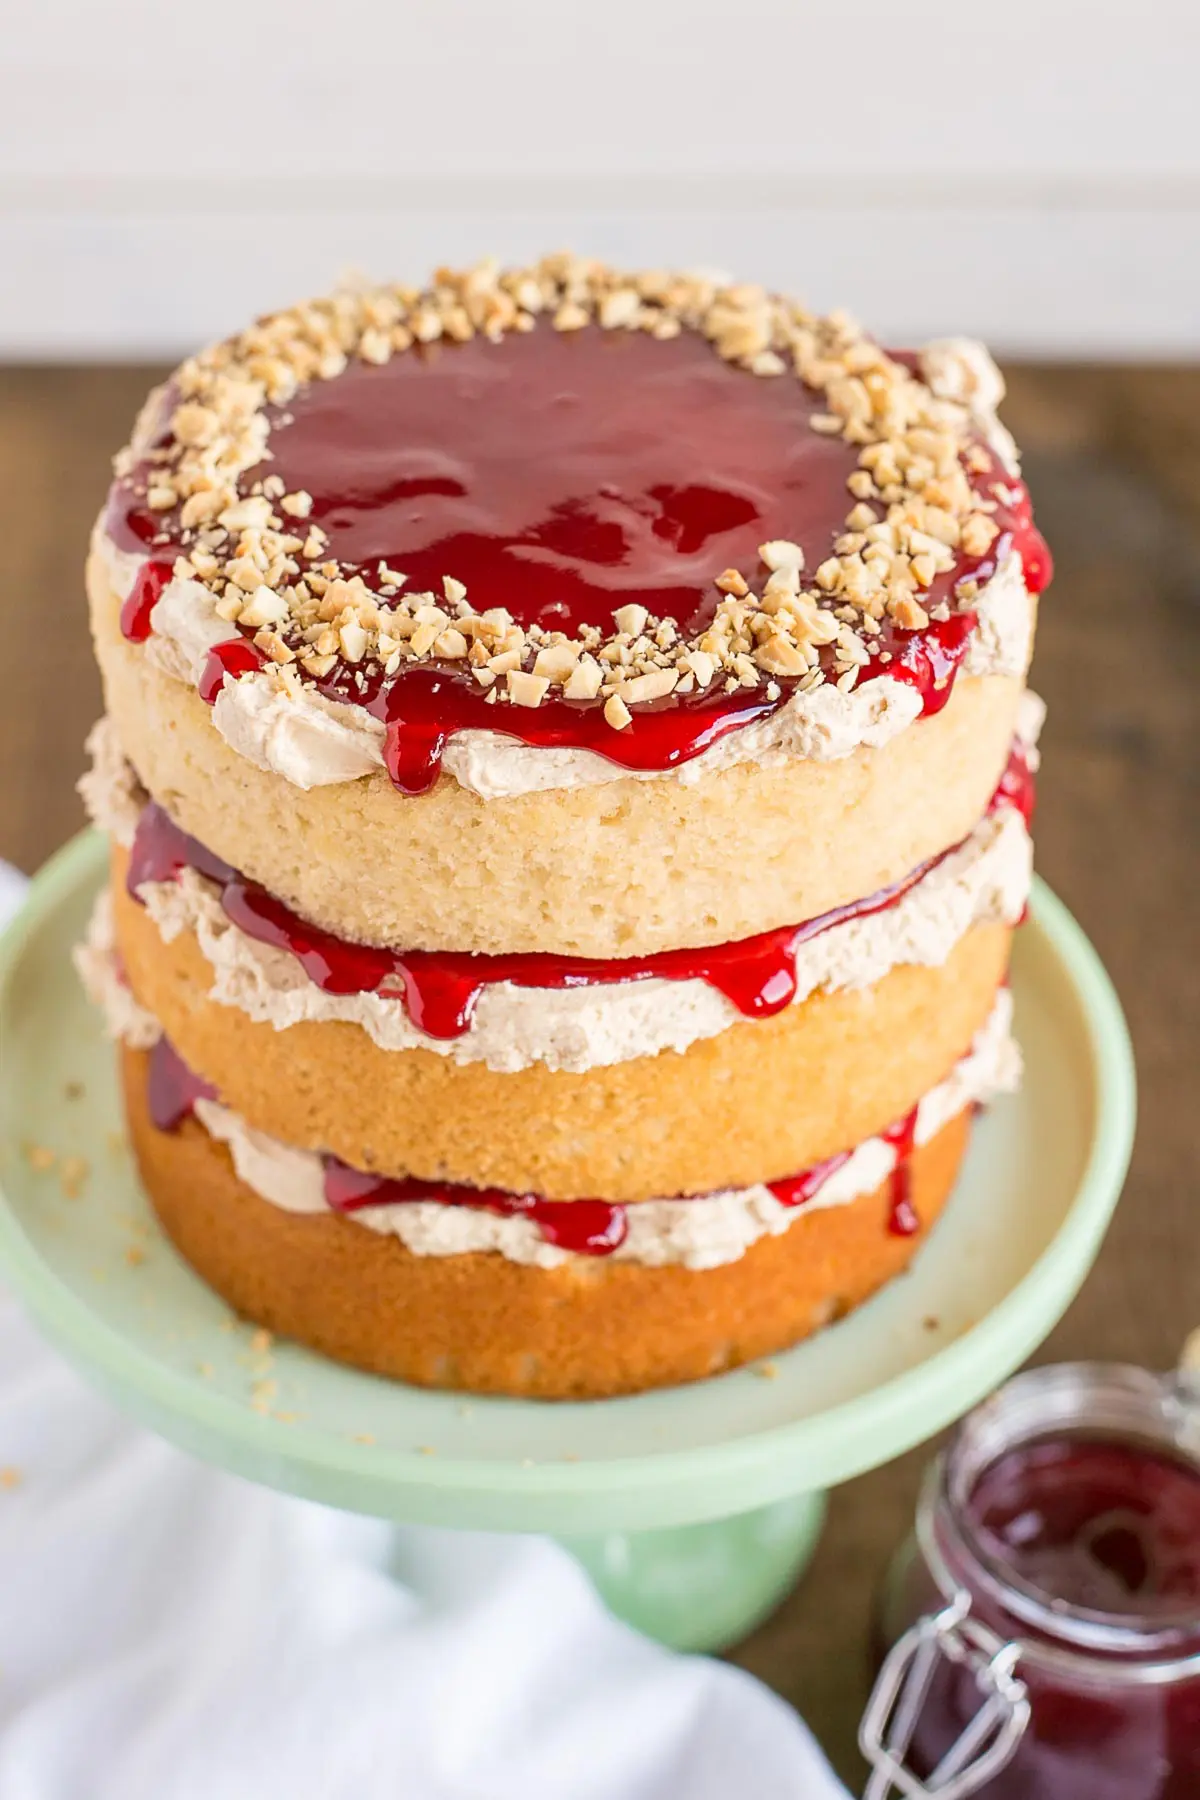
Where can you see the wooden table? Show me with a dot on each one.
(1113, 458)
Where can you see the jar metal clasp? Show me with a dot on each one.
(990, 1738)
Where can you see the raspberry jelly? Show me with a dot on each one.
(562, 476)
(1060, 1535)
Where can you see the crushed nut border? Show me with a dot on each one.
(914, 507)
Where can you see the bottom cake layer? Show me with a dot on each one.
(479, 1322)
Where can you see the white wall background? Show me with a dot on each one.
(1025, 169)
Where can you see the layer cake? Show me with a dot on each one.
(568, 767)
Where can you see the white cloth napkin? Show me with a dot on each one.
(169, 1632)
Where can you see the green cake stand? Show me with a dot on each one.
(694, 1509)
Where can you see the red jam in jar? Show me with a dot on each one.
(1058, 1539)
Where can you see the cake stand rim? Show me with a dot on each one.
(668, 1487)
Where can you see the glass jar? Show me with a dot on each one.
(1040, 1631)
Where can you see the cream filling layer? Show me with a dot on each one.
(294, 732)
(126, 1020)
(701, 1233)
(984, 881)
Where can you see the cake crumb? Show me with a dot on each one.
(363, 1437)
(10, 1477)
(135, 1256)
(73, 1172)
(40, 1157)
(73, 1090)
(767, 1371)
(261, 1343)
(426, 1450)
(931, 1324)
(205, 1371)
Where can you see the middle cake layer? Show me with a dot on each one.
(758, 1100)
(695, 1070)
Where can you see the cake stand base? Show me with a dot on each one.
(693, 1508)
(702, 1587)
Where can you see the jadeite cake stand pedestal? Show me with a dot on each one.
(693, 1509)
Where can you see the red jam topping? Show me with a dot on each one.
(441, 988)
(562, 475)
(1113, 1527)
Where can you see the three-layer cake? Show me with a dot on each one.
(568, 766)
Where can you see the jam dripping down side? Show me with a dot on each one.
(441, 989)
(161, 850)
(1016, 787)
(172, 1089)
(797, 1190)
(586, 1227)
(928, 660)
(903, 1219)
(1036, 559)
(143, 597)
(598, 1227)
(236, 656)
(423, 708)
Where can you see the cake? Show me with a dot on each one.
(568, 768)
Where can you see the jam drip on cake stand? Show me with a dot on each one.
(419, 465)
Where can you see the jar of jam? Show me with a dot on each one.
(1040, 1632)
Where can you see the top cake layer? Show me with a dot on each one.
(608, 523)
